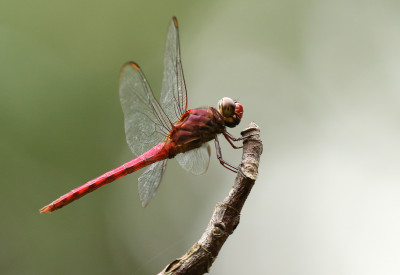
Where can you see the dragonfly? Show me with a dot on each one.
(160, 130)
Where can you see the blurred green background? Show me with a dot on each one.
(321, 79)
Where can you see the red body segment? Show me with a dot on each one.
(157, 153)
(196, 127)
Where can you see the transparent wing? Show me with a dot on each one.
(195, 161)
(173, 92)
(146, 124)
(150, 180)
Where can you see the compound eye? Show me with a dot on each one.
(239, 109)
(227, 107)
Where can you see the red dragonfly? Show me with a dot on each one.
(157, 131)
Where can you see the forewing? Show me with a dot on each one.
(173, 92)
(195, 161)
(146, 124)
(150, 180)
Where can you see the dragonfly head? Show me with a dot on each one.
(231, 110)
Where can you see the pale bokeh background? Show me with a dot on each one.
(320, 78)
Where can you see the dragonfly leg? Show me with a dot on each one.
(231, 138)
(221, 160)
(228, 135)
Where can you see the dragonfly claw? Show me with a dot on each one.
(240, 172)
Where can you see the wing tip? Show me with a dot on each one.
(145, 203)
(175, 20)
(130, 64)
(134, 65)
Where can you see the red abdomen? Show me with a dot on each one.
(157, 153)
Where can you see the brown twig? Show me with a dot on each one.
(225, 218)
